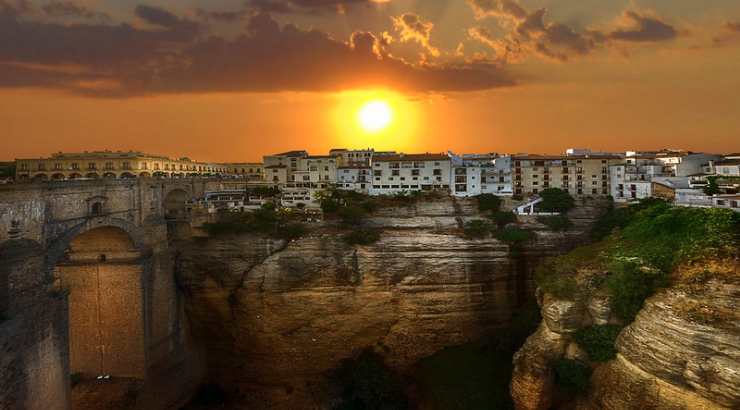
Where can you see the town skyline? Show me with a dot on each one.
(240, 79)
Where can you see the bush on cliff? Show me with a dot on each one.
(476, 229)
(556, 223)
(556, 200)
(557, 284)
(503, 218)
(512, 235)
(572, 375)
(598, 341)
(362, 236)
(488, 202)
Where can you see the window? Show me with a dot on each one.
(414, 172)
(24, 167)
(42, 167)
(58, 166)
(394, 172)
(314, 168)
(92, 165)
(306, 177)
(75, 165)
(604, 169)
(437, 172)
(326, 168)
(109, 165)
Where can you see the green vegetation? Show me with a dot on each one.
(513, 235)
(262, 221)
(556, 223)
(488, 202)
(368, 384)
(362, 236)
(572, 375)
(265, 191)
(477, 229)
(503, 218)
(348, 206)
(7, 170)
(560, 286)
(517, 197)
(632, 263)
(598, 341)
(556, 200)
(476, 375)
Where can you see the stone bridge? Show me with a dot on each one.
(87, 288)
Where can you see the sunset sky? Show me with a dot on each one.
(233, 80)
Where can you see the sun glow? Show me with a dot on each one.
(375, 115)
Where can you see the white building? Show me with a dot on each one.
(353, 157)
(466, 175)
(496, 177)
(353, 178)
(727, 201)
(412, 172)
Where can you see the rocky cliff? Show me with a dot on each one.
(276, 318)
(681, 352)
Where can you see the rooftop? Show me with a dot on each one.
(411, 157)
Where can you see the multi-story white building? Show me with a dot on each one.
(578, 175)
(410, 172)
(496, 177)
(466, 175)
(653, 175)
(353, 178)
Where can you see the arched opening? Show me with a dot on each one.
(109, 175)
(92, 175)
(74, 175)
(41, 176)
(97, 209)
(57, 176)
(175, 201)
(127, 175)
(102, 272)
(145, 175)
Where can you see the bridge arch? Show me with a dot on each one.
(101, 270)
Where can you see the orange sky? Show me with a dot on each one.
(469, 77)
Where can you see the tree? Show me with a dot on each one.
(556, 200)
(488, 202)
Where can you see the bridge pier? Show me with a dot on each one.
(86, 286)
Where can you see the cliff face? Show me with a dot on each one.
(276, 320)
(681, 352)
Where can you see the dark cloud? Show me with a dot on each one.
(226, 16)
(556, 41)
(156, 15)
(730, 26)
(306, 6)
(11, 9)
(55, 8)
(412, 27)
(123, 60)
(647, 28)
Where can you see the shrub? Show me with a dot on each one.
(477, 228)
(517, 197)
(265, 191)
(556, 200)
(503, 218)
(362, 236)
(300, 205)
(292, 231)
(488, 202)
(571, 375)
(631, 285)
(598, 341)
(558, 285)
(512, 235)
(556, 223)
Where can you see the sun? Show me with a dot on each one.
(375, 115)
